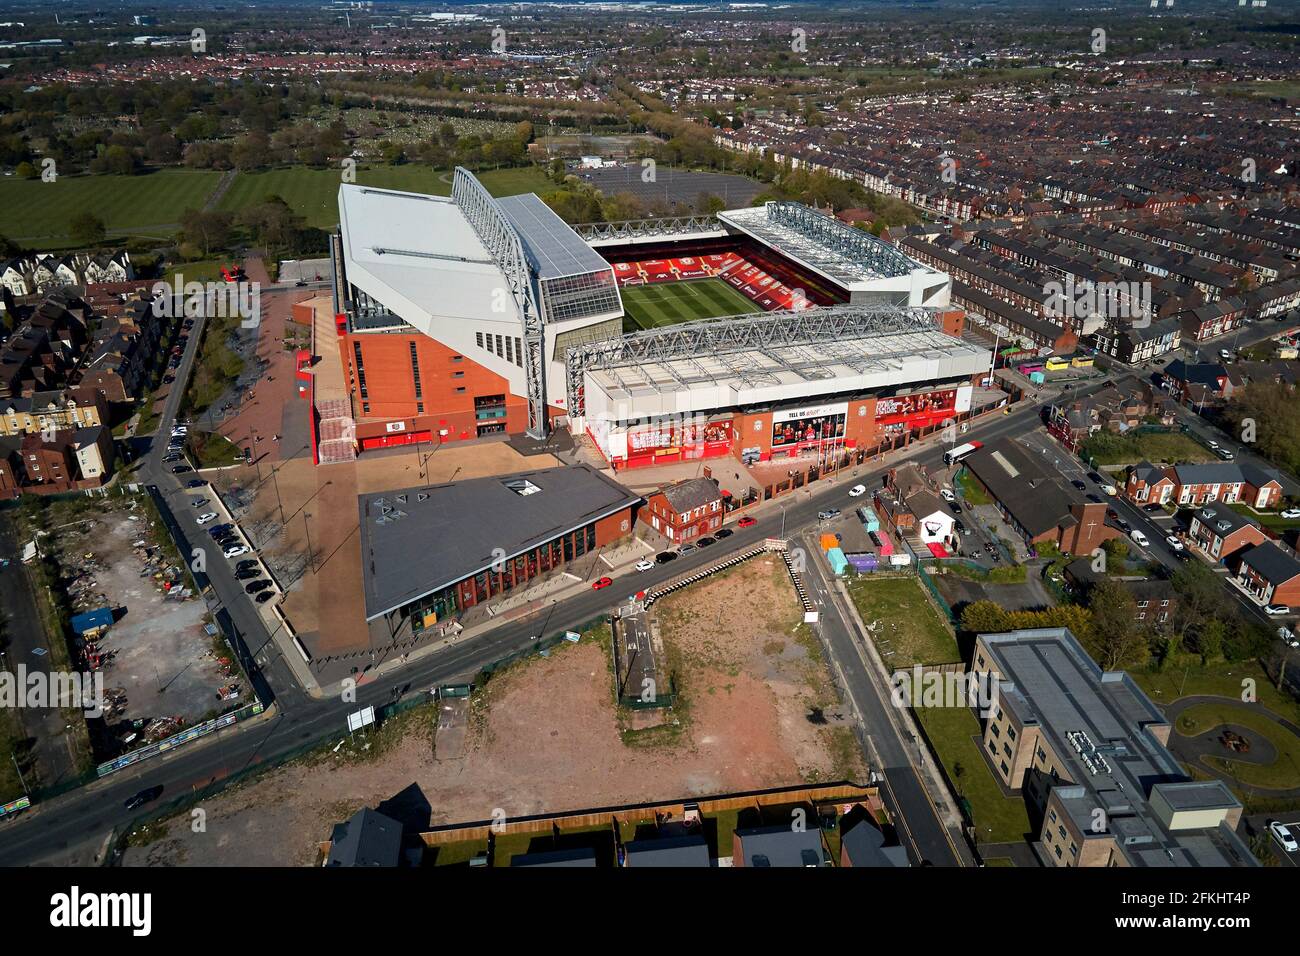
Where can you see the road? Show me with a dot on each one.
(299, 719)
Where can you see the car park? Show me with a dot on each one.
(747, 522)
(236, 550)
(723, 533)
(645, 564)
(828, 514)
(705, 542)
(1282, 833)
(1277, 610)
(857, 491)
(256, 586)
(206, 517)
(663, 557)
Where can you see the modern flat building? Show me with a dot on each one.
(430, 553)
(1088, 751)
(1271, 573)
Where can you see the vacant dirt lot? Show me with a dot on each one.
(545, 736)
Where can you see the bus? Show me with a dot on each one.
(961, 451)
(1057, 364)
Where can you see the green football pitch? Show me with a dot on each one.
(668, 303)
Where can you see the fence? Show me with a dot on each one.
(934, 593)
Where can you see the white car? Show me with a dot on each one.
(947, 495)
(1291, 513)
(1277, 610)
(206, 517)
(235, 550)
(645, 564)
(1282, 833)
(1211, 443)
(1173, 542)
(1110, 490)
(857, 491)
(1224, 354)
(1287, 637)
(1139, 538)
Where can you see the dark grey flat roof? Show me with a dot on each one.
(669, 851)
(415, 541)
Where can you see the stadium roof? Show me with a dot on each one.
(850, 257)
(550, 243)
(758, 374)
(417, 254)
(416, 541)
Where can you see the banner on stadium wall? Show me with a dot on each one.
(923, 408)
(673, 435)
(800, 426)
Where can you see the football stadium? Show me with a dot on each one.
(762, 332)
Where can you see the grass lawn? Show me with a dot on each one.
(36, 214)
(910, 629)
(1282, 774)
(313, 193)
(971, 490)
(1220, 679)
(953, 732)
(10, 734)
(214, 451)
(1156, 447)
(206, 270)
(1269, 519)
(672, 302)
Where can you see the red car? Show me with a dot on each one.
(747, 522)
(602, 583)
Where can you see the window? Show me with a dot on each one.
(460, 389)
(478, 340)
(458, 358)
(415, 372)
(1011, 733)
(457, 374)
(361, 369)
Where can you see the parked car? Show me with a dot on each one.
(168, 459)
(1094, 499)
(236, 550)
(198, 502)
(1079, 484)
(1287, 637)
(1277, 610)
(645, 564)
(601, 583)
(747, 522)
(1282, 834)
(196, 483)
(947, 495)
(705, 542)
(1174, 542)
(663, 557)
(1110, 490)
(857, 491)
(1139, 538)
(217, 529)
(248, 563)
(1291, 513)
(828, 514)
(264, 597)
(961, 528)
(954, 507)
(1153, 507)
(143, 797)
(686, 549)
(723, 533)
(206, 517)
(1224, 454)
(1096, 478)
(168, 378)
(248, 574)
(180, 469)
(1123, 525)
(261, 584)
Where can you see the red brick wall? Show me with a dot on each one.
(610, 529)
(390, 387)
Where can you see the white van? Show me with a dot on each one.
(1139, 538)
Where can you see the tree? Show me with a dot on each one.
(206, 230)
(1116, 639)
(26, 170)
(1200, 596)
(984, 617)
(87, 229)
